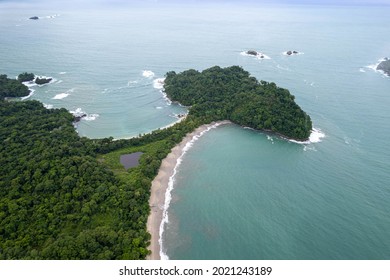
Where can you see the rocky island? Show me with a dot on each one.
(30, 77)
(384, 66)
(42, 81)
(16, 87)
(291, 52)
(255, 53)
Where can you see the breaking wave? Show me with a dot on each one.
(315, 137)
(81, 114)
(168, 195)
(148, 74)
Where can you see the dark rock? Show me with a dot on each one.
(42, 81)
(34, 18)
(384, 66)
(291, 52)
(78, 118)
(251, 52)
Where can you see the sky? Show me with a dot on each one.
(183, 2)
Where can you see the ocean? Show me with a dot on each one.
(238, 193)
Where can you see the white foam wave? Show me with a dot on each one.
(81, 114)
(309, 83)
(362, 70)
(62, 73)
(29, 84)
(129, 83)
(375, 66)
(59, 81)
(158, 83)
(78, 112)
(164, 94)
(33, 84)
(50, 16)
(29, 95)
(168, 195)
(91, 117)
(309, 148)
(270, 139)
(172, 124)
(159, 107)
(283, 68)
(258, 56)
(48, 106)
(61, 95)
(316, 136)
(148, 74)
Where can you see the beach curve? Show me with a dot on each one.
(159, 189)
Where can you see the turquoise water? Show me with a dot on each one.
(238, 194)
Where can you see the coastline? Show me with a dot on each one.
(160, 184)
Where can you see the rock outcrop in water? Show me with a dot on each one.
(251, 52)
(79, 117)
(384, 66)
(34, 18)
(42, 81)
(255, 53)
(292, 52)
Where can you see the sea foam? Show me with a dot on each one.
(159, 84)
(80, 113)
(48, 106)
(374, 67)
(32, 91)
(129, 83)
(64, 94)
(91, 117)
(61, 95)
(147, 74)
(168, 195)
(316, 136)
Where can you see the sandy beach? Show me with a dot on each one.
(160, 185)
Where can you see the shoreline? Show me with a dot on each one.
(160, 185)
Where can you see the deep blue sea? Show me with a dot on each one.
(238, 194)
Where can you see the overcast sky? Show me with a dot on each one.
(183, 2)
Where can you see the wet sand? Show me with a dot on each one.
(160, 185)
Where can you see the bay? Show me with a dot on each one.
(238, 194)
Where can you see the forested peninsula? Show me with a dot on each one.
(232, 94)
(63, 196)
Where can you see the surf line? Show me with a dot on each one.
(162, 187)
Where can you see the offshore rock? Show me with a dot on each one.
(384, 66)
